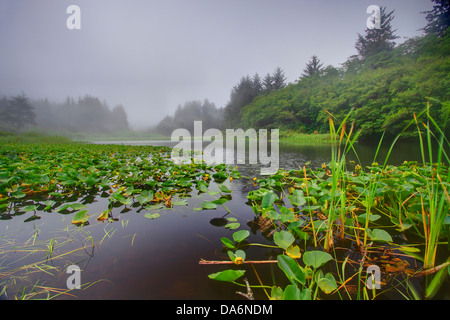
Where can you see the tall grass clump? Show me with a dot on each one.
(338, 196)
(436, 192)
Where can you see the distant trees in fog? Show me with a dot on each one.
(87, 114)
(16, 112)
(191, 111)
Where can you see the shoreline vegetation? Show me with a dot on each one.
(31, 136)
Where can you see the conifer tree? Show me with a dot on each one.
(278, 78)
(267, 83)
(377, 40)
(439, 18)
(314, 66)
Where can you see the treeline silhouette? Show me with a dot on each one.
(87, 114)
(191, 111)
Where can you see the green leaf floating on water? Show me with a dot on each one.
(104, 215)
(145, 197)
(233, 223)
(241, 235)
(224, 188)
(73, 206)
(291, 269)
(283, 239)
(297, 198)
(30, 208)
(291, 292)
(202, 186)
(293, 252)
(228, 243)
(372, 217)
(152, 215)
(379, 235)
(269, 199)
(227, 275)
(316, 258)
(208, 205)
(327, 283)
(80, 217)
(77, 206)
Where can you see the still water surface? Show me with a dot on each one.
(140, 258)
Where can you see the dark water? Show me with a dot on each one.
(140, 258)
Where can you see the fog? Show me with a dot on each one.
(152, 56)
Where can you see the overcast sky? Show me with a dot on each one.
(152, 56)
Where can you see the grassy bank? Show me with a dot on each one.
(292, 137)
(120, 136)
(31, 137)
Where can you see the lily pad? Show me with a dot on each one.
(152, 215)
(227, 275)
(327, 283)
(269, 199)
(379, 235)
(228, 243)
(316, 258)
(80, 217)
(296, 198)
(145, 197)
(292, 292)
(293, 252)
(291, 269)
(104, 215)
(208, 205)
(283, 239)
(224, 188)
(241, 235)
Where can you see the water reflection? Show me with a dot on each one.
(293, 156)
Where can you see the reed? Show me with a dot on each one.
(436, 193)
(338, 195)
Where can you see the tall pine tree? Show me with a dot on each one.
(314, 66)
(438, 19)
(279, 80)
(17, 112)
(377, 40)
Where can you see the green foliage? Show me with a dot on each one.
(314, 66)
(139, 176)
(32, 138)
(371, 207)
(384, 91)
(377, 40)
(247, 89)
(227, 275)
(438, 19)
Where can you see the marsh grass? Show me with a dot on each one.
(292, 137)
(338, 194)
(32, 138)
(28, 267)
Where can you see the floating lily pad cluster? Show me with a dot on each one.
(46, 177)
(299, 201)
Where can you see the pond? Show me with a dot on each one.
(136, 256)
